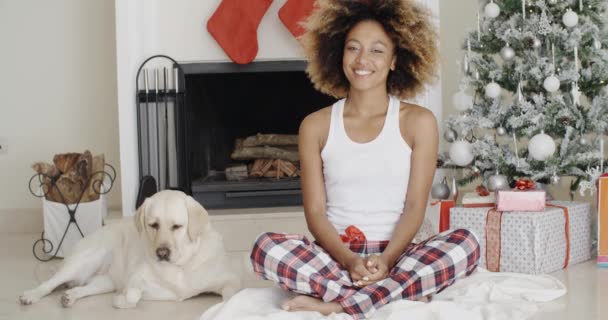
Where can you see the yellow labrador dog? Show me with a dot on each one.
(168, 251)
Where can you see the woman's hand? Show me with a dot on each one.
(356, 269)
(378, 268)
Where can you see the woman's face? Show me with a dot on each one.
(368, 56)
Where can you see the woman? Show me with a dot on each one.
(367, 165)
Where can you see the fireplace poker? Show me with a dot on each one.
(166, 87)
(156, 98)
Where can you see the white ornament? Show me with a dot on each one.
(544, 25)
(492, 10)
(520, 94)
(462, 100)
(461, 153)
(570, 19)
(498, 182)
(536, 43)
(576, 94)
(551, 84)
(597, 44)
(493, 90)
(507, 53)
(541, 146)
(594, 174)
(554, 179)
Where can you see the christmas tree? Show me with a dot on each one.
(533, 98)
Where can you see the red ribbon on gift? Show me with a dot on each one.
(493, 241)
(353, 234)
(524, 184)
(444, 213)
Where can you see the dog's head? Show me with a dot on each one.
(172, 223)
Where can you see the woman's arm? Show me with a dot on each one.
(423, 163)
(313, 130)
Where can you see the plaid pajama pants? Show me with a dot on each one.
(299, 265)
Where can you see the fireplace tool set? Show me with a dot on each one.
(161, 126)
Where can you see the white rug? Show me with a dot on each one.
(483, 295)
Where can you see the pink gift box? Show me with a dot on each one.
(511, 200)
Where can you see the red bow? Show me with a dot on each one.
(353, 234)
(482, 191)
(524, 184)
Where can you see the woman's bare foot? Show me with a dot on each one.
(306, 303)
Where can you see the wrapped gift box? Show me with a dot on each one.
(513, 200)
(473, 199)
(602, 224)
(531, 242)
(89, 216)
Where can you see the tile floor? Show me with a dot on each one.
(587, 297)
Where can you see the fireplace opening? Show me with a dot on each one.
(227, 102)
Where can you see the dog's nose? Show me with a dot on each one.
(163, 253)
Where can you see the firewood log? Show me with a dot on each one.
(46, 169)
(288, 168)
(271, 140)
(65, 161)
(251, 153)
(97, 178)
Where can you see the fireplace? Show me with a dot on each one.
(226, 101)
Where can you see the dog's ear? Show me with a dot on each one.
(197, 218)
(140, 215)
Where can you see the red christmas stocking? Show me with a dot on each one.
(294, 12)
(234, 26)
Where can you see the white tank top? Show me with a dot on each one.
(366, 183)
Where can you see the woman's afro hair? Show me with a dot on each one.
(408, 24)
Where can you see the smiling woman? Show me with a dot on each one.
(367, 163)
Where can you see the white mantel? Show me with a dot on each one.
(178, 28)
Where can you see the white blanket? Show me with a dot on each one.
(483, 295)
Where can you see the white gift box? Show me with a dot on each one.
(89, 217)
(472, 198)
(533, 242)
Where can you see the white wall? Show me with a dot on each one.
(57, 88)
(457, 18)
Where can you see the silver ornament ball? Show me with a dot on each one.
(583, 141)
(450, 135)
(498, 182)
(440, 191)
(507, 53)
(501, 131)
(554, 179)
(536, 43)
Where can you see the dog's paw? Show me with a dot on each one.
(121, 302)
(68, 299)
(29, 297)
